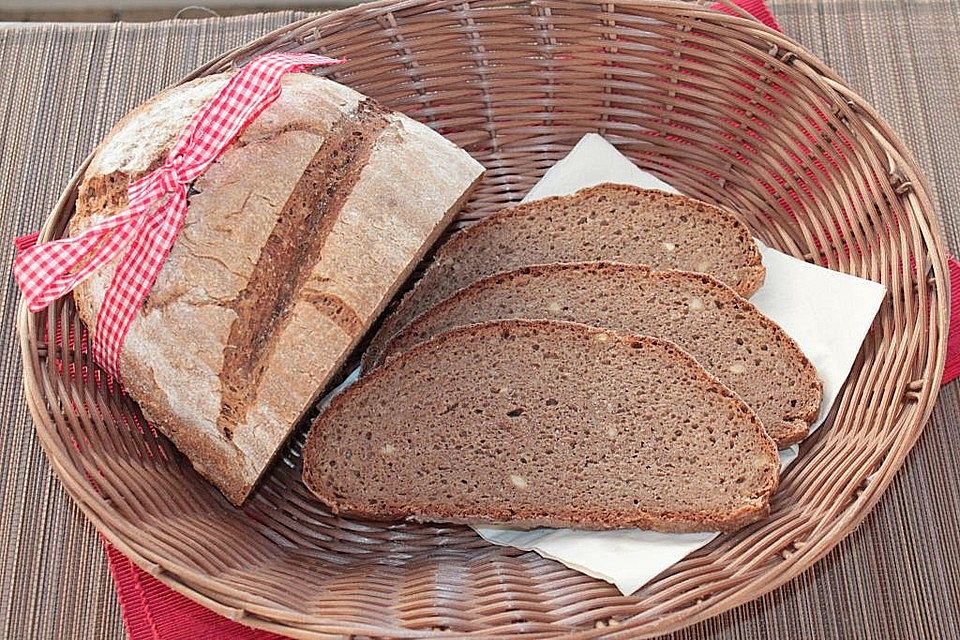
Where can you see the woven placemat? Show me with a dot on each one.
(895, 577)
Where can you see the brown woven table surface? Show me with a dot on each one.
(62, 86)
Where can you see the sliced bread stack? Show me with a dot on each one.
(583, 361)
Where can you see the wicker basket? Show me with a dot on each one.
(719, 106)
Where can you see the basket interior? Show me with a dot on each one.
(715, 104)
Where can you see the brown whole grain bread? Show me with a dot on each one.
(614, 222)
(744, 349)
(294, 240)
(540, 423)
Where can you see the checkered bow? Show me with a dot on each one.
(143, 234)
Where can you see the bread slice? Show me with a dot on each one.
(294, 241)
(539, 423)
(744, 349)
(615, 222)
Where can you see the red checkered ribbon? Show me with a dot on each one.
(145, 232)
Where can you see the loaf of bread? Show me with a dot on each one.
(294, 241)
(540, 423)
(614, 222)
(744, 349)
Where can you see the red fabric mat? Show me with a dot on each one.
(951, 369)
(153, 611)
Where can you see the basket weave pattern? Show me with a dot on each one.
(717, 105)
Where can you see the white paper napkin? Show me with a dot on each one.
(828, 314)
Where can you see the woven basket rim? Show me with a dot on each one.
(208, 590)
